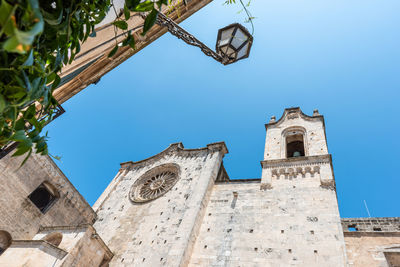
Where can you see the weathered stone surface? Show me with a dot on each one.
(179, 208)
(19, 216)
(161, 231)
(79, 246)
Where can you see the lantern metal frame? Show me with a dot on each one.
(188, 38)
(248, 41)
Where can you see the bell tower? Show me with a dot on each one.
(297, 175)
(296, 147)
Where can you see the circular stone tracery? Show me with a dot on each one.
(154, 183)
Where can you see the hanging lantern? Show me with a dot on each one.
(233, 43)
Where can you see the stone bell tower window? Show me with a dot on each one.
(295, 145)
(43, 196)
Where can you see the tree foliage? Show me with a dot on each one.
(38, 38)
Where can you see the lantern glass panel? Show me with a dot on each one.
(242, 52)
(226, 36)
(239, 38)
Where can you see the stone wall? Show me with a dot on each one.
(385, 224)
(77, 246)
(373, 242)
(160, 232)
(19, 216)
(292, 225)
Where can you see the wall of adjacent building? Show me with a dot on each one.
(19, 216)
(373, 242)
(80, 247)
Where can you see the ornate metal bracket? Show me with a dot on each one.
(179, 32)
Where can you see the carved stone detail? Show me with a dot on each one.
(154, 183)
(294, 172)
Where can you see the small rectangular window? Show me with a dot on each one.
(42, 197)
(352, 228)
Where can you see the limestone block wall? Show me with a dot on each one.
(19, 216)
(73, 246)
(282, 226)
(160, 232)
(31, 253)
(372, 242)
(373, 249)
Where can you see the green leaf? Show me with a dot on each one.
(113, 51)
(26, 158)
(26, 38)
(2, 103)
(144, 6)
(126, 12)
(21, 150)
(149, 21)
(6, 22)
(19, 136)
(30, 112)
(129, 41)
(20, 124)
(55, 17)
(131, 4)
(12, 45)
(121, 24)
(56, 82)
(29, 60)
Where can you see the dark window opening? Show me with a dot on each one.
(42, 197)
(295, 146)
(377, 229)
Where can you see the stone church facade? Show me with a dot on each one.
(180, 208)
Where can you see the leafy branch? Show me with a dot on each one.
(37, 39)
(250, 17)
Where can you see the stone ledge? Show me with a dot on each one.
(42, 245)
(177, 148)
(298, 161)
(372, 225)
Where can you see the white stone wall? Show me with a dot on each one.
(79, 247)
(314, 137)
(161, 231)
(283, 226)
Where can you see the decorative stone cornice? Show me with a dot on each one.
(298, 161)
(293, 113)
(178, 149)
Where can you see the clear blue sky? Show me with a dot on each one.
(339, 56)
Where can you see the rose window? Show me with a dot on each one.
(154, 183)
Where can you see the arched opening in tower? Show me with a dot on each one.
(295, 146)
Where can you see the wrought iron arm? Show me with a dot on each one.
(179, 32)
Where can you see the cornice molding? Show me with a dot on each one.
(178, 149)
(292, 113)
(298, 161)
